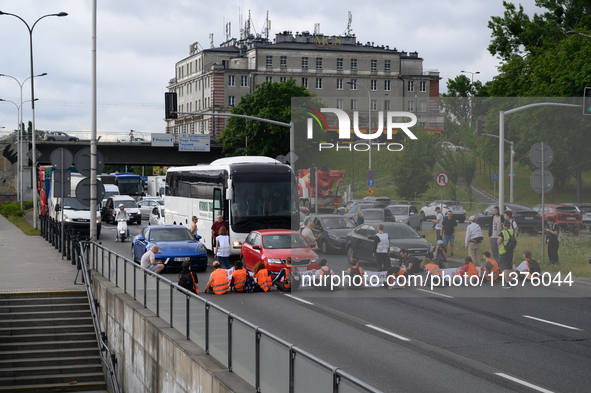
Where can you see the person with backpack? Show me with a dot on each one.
(528, 266)
(507, 244)
(263, 281)
(552, 232)
(355, 279)
(285, 279)
(323, 277)
(188, 279)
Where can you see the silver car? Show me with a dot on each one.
(60, 136)
(407, 214)
(147, 205)
(157, 216)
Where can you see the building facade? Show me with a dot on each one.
(342, 72)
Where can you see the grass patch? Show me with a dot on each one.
(12, 211)
(22, 223)
(574, 251)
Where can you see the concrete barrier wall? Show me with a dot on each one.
(152, 356)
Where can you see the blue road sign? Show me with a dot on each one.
(371, 174)
(495, 177)
(511, 175)
(370, 182)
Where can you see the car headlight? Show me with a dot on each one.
(201, 248)
(334, 237)
(236, 243)
(66, 218)
(394, 249)
(313, 260)
(273, 260)
(400, 221)
(98, 220)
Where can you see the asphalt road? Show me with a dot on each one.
(452, 339)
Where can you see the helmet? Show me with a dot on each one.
(121, 205)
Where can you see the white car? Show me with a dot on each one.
(147, 204)
(428, 212)
(157, 216)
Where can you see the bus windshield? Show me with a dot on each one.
(272, 196)
(130, 185)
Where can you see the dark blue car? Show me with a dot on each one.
(176, 244)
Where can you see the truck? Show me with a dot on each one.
(156, 185)
(325, 180)
(74, 213)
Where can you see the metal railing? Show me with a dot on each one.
(265, 361)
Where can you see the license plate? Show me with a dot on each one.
(571, 218)
(182, 259)
(457, 208)
(529, 218)
(302, 269)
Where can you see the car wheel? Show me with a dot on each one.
(423, 218)
(420, 225)
(72, 140)
(350, 254)
(324, 247)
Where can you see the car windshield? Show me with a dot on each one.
(126, 204)
(170, 235)
(284, 241)
(337, 223)
(401, 232)
(566, 209)
(74, 204)
(373, 215)
(398, 210)
(585, 209)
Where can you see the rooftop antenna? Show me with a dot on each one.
(266, 27)
(349, 20)
(240, 24)
(228, 31)
(211, 40)
(317, 28)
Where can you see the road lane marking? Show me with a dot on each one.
(434, 293)
(301, 300)
(388, 332)
(529, 385)
(552, 323)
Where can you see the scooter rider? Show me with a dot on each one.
(122, 215)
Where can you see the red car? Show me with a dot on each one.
(564, 215)
(273, 246)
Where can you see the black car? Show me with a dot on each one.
(360, 241)
(527, 219)
(333, 230)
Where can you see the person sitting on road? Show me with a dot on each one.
(431, 269)
(188, 279)
(283, 280)
(490, 267)
(238, 277)
(440, 254)
(528, 267)
(263, 281)
(323, 276)
(121, 214)
(355, 278)
(468, 270)
(218, 280)
(410, 264)
(149, 262)
(392, 275)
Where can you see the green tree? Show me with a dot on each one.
(415, 165)
(466, 167)
(268, 101)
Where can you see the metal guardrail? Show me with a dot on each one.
(265, 361)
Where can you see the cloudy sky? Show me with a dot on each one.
(139, 42)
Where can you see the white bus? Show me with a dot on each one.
(249, 192)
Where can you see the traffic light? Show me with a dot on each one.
(479, 127)
(312, 177)
(170, 106)
(587, 101)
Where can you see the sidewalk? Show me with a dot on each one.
(29, 264)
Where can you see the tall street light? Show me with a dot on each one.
(471, 91)
(369, 118)
(581, 34)
(20, 137)
(34, 149)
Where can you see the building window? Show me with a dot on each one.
(231, 81)
(387, 105)
(339, 84)
(423, 125)
(386, 65)
(423, 86)
(269, 79)
(269, 61)
(373, 85)
(339, 64)
(423, 106)
(374, 65)
(319, 62)
(353, 84)
(304, 63)
(411, 106)
(319, 83)
(374, 105)
(411, 86)
(387, 85)
(353, 64)
(353, 105)
(283, 79)
(305, 82)
(231, 100)
(283, 62)
(339, 103)
(244, 81)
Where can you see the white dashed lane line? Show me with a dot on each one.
(388, 332)
(524, 383)
(298, 299)
(552, 323)
(434, 293)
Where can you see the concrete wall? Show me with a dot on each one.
(152, 356)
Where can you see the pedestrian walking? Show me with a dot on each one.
(494, 230)
(473, 239)
(222, 248)
(381, 249)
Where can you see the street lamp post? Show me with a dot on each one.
(34, 149)
(471, 91)
(20, 136)
(369, 118)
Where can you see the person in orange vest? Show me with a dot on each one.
(263, 281)
(283, 280)
(218, 280)
(392, 280)
(490, 266)
(355, 270)
(468, 270)
(528, 266)
(238, 277)
(432, 270)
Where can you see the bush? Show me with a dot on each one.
(12, 209)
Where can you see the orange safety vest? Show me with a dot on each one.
(433, 269)
(220, 283)
(471, 270)
(399, 273)
(263, 280)
(287, 278)
(495, 270)
(360, 273)
(239, 276)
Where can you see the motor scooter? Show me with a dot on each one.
(121, 229)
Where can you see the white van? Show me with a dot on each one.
(110, 190)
